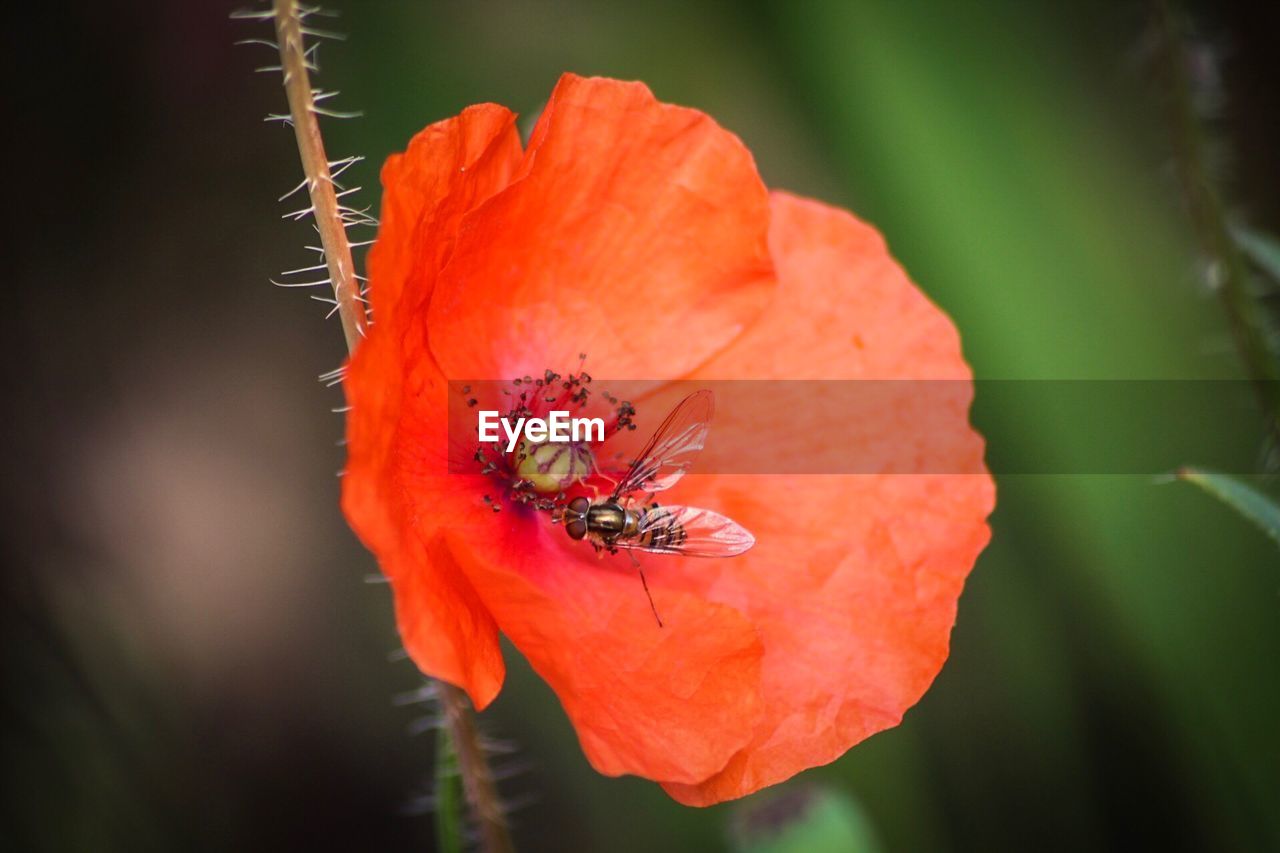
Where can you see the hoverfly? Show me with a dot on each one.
(626, 519)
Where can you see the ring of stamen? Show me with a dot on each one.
(540, 474)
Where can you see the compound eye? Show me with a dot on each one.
(576, 528)
(578, 506)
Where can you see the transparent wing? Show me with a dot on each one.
(672, 449)
(690, 531)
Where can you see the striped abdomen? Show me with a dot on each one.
(659, 529)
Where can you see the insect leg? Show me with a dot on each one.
(644, 583)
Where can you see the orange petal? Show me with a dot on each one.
(854, 580)
(449, 168)
(628, 219)
(397, 396)
(673, 702)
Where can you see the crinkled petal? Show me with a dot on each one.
(635, 232)
(395, 430)
(448, 169)
(673, 702)
(854, 580)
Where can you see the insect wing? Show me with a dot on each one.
(690, 531)
(672, 449)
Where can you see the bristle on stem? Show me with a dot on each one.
(295, 60)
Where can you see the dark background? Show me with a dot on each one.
(193, 659)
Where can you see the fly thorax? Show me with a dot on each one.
(608, 519)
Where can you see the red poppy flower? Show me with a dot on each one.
(640, 234)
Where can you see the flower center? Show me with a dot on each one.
(541, 473)
(553, 468)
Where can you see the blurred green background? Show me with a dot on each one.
(193, 659)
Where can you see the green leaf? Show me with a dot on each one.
(1254, 505)
(803, 819)
(448, 799)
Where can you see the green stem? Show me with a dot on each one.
(1244, 314)
(448, 805)
(477, 779)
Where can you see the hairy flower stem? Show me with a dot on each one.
(315, 166)
(477, 779)
(1244, 314)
